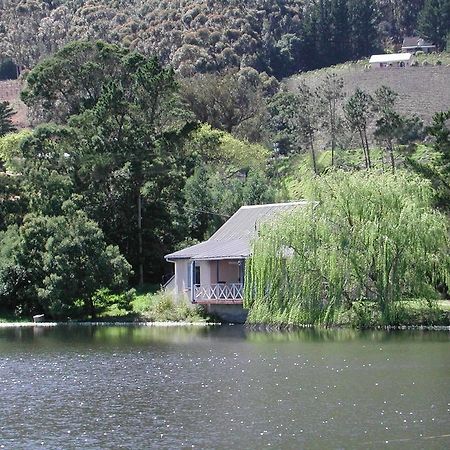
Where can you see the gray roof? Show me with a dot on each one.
(415, 41)
(232, 240)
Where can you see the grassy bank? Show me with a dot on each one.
(147, 304)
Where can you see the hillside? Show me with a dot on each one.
(10, 92)
(280, 37)
(422, 90)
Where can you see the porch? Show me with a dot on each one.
(219, 293)
(217, 281)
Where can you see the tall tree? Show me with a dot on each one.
(434, 21)
(340, 44)
(125, 127)
(331, 94)
(358, 112)
(363, 20)
(307, 120)
(389, 122)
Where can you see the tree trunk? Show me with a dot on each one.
(333, 133)
(364, 148)
(140, 249)
(391, 156)
(367, 149)
(313, 155)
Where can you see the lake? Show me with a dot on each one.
(223, 387)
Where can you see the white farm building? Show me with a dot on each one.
(392, 60)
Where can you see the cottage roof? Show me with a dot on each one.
(390, 58)
(232, 240)
(415, 41)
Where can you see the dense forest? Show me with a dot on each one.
(279, 37)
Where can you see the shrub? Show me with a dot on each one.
(162, 307)
(104, 299)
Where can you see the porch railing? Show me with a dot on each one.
(218, 293)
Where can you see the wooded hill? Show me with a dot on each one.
(280, 37)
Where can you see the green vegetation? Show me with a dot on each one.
(93, 199)
(371, 237)
(160, 307)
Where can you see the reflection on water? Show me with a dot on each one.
(223, 387)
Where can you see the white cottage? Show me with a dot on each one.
(413, 44)
(212, 273)
(392, 60)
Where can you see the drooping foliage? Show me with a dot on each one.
(361, 237)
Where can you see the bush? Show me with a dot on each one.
(104, 300)
(162, 307)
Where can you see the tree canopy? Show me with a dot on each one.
(279, 37)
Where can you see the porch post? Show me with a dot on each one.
(193, 282)
(217, 272)
(241, 271)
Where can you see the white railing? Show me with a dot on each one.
(233, 292)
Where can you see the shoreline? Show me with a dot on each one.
(253, 327)
(105, 324)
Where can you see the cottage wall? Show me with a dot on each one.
(181, 276)
(228, 271)
(207, 268)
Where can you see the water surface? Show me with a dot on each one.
(223, 387)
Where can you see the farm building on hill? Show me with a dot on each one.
(212, 273)
(392, 60)
(413, 44)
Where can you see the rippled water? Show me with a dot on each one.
(223, 387)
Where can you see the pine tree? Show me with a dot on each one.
(331, 94)
(363, 20)
(6, 113)
(325, 55)
(340, 39)
(434, 21)
(358, 112)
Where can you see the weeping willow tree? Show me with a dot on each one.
(364, 236)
